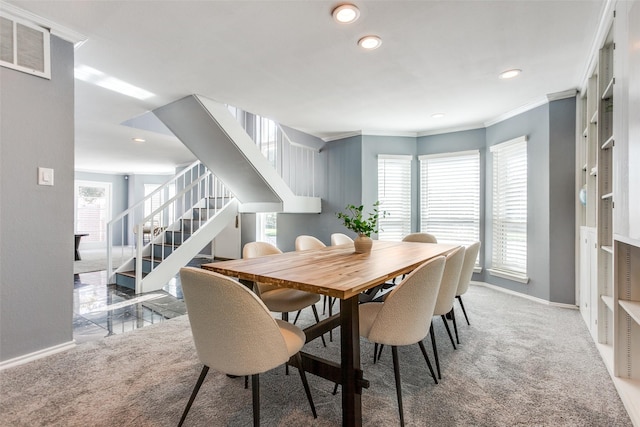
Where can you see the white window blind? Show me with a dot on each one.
(394, 194)
(509, 254)
(450, 196)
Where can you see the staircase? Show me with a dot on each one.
(180, 228)
(232, 145)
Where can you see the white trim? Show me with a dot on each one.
(21, 360)
(57, 30)
(387, 133)
(509, 276)
(509, 142)
(449, 154)
(460, 128)
(342, 136)
(515, 112)
(556, 96)
(395, 156)
(606, 19)
(525, 296)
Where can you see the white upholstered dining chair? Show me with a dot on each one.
(235, 334)
(404, 316)
(446, 297)
(340, 239)
(420, 237)
(470, 256)
(303, 243)
(278, 299)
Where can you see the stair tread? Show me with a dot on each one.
(131, 273)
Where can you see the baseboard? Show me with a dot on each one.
(529, 297)
(21, 360)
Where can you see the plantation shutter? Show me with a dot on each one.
(450, 196)
(394, 194)
(509, 254)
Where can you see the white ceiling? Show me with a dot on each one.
(288, 60)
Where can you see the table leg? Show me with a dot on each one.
(350, 357)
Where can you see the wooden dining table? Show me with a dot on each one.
(339, 272)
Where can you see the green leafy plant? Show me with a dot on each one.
(354, 220)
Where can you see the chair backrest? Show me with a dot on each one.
(420, 237)
(340, 239)
(449, 284)
(406, 313)
(470, 255)
(233, 331)
(258, 249)
(304, 243)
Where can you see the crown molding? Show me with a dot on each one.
(556, 96)
(341, 136)
(460, 128)
(606, 20)
(57, 30)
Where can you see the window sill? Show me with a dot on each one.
(509, 275)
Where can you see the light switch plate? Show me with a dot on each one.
(45, 176)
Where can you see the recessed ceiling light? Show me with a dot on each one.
(437, 115)
(346, 13)
(370, 42)
(138, 140)
(509, 74)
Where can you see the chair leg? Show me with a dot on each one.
(426, 358)
(375, 353)
(330, 314)
(255, 392)
(396, 372)
(246, 382)
(305, 383)
(455, 327)
(297, 315)
(203, 374)
(315, 314)
(463, 310)
(285, 317)
(446, 325)
(435, 349)
(380, 351)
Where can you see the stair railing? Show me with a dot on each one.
(294, 162)
(126, 233)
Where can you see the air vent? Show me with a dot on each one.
(24, 46)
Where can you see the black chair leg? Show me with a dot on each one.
(315, 313)
(246, 382)
(285, 317)
(435, 349)
(335, 389)
(380, 351)
(203, 374)
(297, 315)
(396, 372)
(255, 392)
(455, 327)
(426, 358)
(375, 352)
(463, 310)
(307, 390)
(330, 314)
(446, 325)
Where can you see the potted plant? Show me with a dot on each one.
(354, 220)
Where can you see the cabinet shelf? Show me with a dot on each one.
(584, 168)
(632, 308)
(608, 301)
(608, 249)
(594, 171)
(608, 91)
(607, 196)
(608, 143)
(594, 118)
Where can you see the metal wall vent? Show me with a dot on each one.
(24, 46)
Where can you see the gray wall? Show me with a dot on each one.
(340, 184)
(36, 222)
(351, 177)
(562, 200)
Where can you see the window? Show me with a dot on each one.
(509, 254)
(92, 211)
(394, 194)
(450, 196)
(266, 227)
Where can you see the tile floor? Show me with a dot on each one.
(101, 309)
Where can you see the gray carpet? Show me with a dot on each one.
(519, 363)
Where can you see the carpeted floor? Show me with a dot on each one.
(519, 363)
